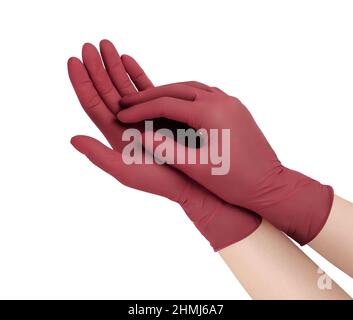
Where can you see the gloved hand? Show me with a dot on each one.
(291, 201)
(99, 91)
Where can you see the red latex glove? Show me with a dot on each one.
(99, 91)
(257, 180)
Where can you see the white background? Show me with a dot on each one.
(68, 230)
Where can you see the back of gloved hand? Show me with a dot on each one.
(293, 202)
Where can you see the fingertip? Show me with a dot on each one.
(105, 43)
(126, 58)
(108, 49)
(130, 65)
(78, 138)
(84, 144)
(87, 50)
(76, 142)
(89, 53)
(123, 102)
(122, 116)
(73, 60)
(87, 45)
(119, 116)
(74, 69)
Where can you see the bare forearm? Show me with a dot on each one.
(335, 241)
(270, 266)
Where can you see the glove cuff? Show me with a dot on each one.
(297, 205)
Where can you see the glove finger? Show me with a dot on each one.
(164, 107)
(152, 178)
(136, 73)
(115, 68)
(178, 91)
(99, 76)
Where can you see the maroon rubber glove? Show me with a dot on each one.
(99, 90)
(291, 201)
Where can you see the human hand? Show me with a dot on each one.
(256, 179)
(99, 90)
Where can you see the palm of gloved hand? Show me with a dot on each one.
(99, 91)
